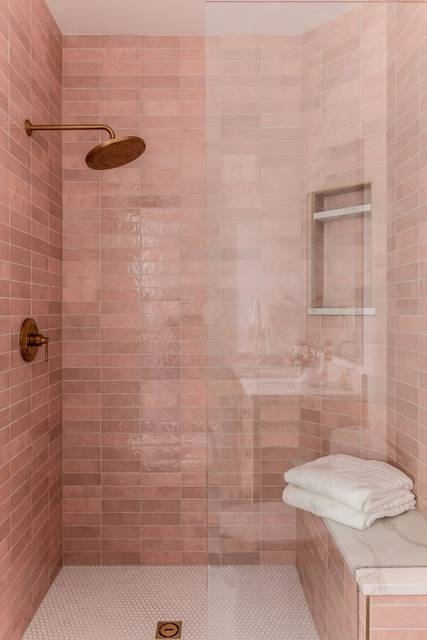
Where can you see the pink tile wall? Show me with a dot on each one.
(357, 425)
(407, 245)
(256, 291)
(169, 310)
(30, 285)
(135, 364)
(329, 586)
(149, 366)
(398, 617)
(345, 127)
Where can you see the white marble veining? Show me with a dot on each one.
(390, 542)
(392, 581)
(388, 558)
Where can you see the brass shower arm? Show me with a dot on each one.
(110, 154)
(29, 128)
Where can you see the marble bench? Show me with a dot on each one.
(365, 585)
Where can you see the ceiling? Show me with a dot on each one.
(269, 18)
(192, 17)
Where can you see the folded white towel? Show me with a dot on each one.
(326, 508)
(363, 485)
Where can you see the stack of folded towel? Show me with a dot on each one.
(349, 490)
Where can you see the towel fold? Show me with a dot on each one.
(327, 508)
(366, 486)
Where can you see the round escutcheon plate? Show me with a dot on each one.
(28, 327)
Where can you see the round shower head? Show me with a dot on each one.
(108, 155)
(115, 153)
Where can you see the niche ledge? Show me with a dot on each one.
(318, 311)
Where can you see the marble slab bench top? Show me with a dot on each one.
(390, 557)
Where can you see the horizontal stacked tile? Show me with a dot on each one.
(404, 438)
(329, 586)
(134, 297)
(345, 129)
(30, 272)
(398, 617)
(174, 353)
(407, 244)
(135, 454)
(256, 290)
(139, 402)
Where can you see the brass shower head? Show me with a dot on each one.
(111, 154)
(115, 153)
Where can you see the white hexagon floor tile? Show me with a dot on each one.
(215, 603)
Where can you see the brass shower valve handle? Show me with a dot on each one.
(37, 340)
(31, 339)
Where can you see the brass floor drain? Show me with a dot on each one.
(169, 629)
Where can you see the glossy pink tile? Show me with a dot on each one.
(30, 285)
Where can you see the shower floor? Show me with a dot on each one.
(218, 603)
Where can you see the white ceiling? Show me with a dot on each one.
(269, 18)
(189, 17)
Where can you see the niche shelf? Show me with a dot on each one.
(341, 251)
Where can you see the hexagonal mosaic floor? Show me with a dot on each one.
(215, 603)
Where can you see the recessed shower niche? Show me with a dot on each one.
(340, 221)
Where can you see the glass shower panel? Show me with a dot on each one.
(297, 99)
